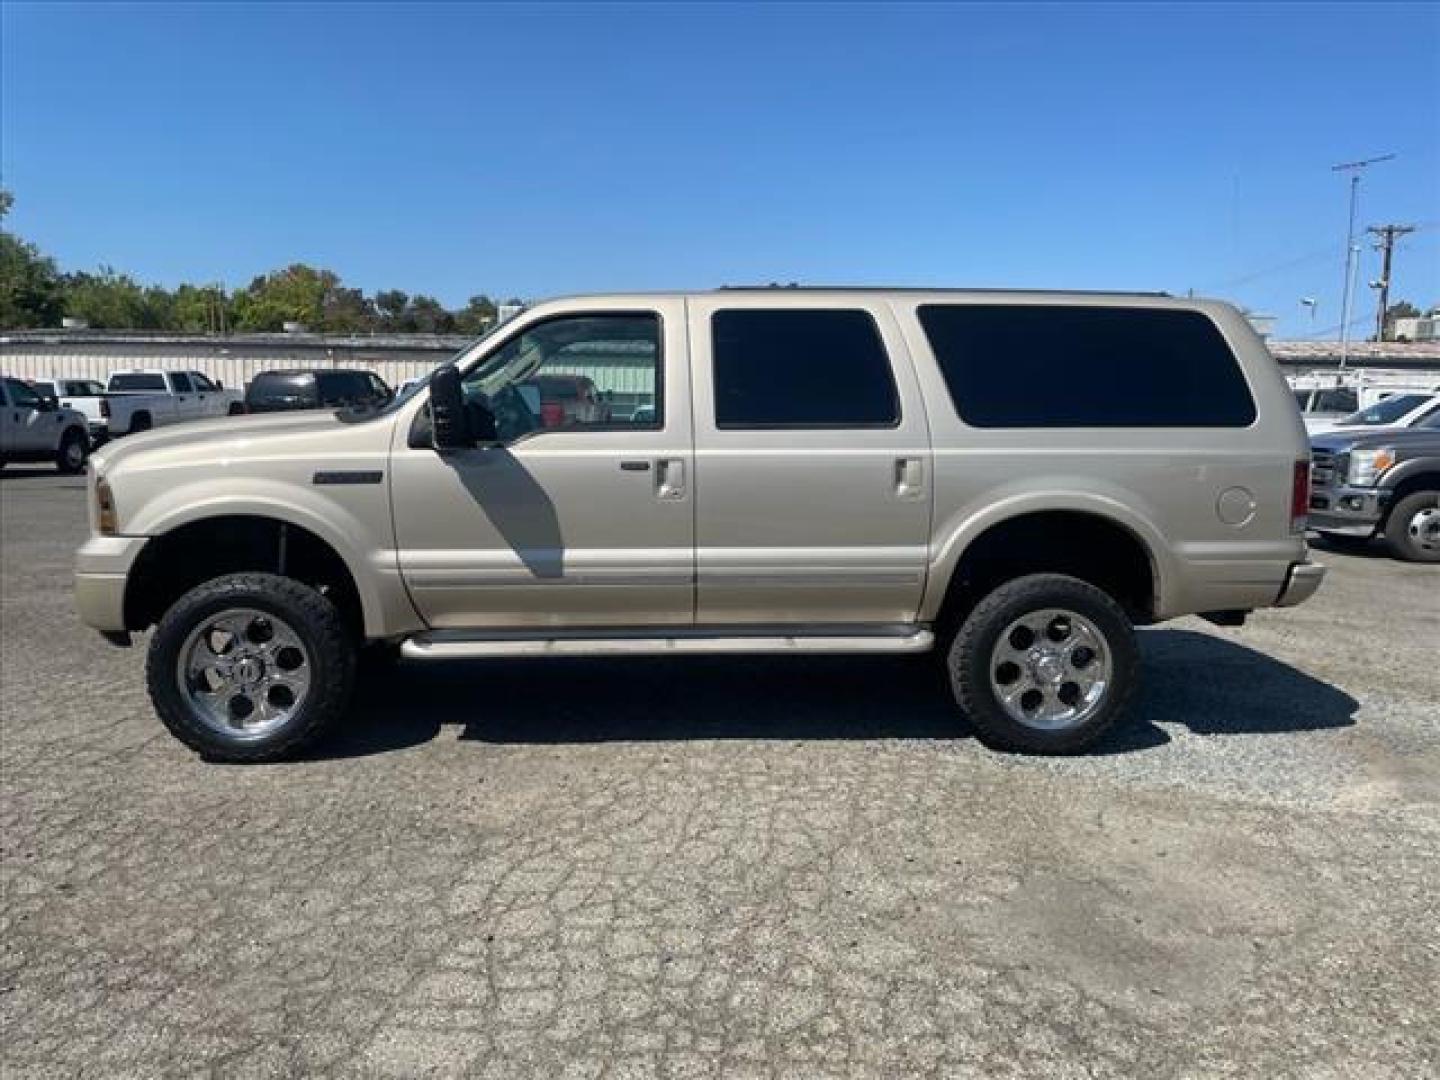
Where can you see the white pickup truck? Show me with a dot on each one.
(143, 399)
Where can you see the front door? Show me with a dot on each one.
(581, 514)
(29, 429)
(812, 461)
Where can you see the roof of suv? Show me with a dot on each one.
(794, 287)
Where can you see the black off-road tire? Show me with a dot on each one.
(1400, 539)
(64, 461)
(970, 653)
(140, 422)
(236, 409)
(315, 619)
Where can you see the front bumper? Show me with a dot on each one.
(1301, 581)
(1349, 511)
(102, 569)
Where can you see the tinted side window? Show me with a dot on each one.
(181, 382)
(1033, 365)
(790, 368)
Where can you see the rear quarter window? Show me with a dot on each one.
(1048, 366)
(153, 382)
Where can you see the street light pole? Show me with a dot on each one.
(1352, 250)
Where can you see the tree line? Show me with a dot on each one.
(35, 293)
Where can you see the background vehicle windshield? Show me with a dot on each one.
(1385, 412)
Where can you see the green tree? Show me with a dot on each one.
(295, 294)
(477, 316)
(390, 303)
(426, 315)
(200, 309)
(111, 300)
(30, 289)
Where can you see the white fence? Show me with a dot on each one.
(233, 362)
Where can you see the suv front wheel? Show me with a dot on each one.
(1045, 664)
(250, 667)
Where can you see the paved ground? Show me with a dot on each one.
(730, 868)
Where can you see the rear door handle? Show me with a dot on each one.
(909, 477)
(635, 466)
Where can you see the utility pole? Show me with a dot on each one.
(1388, 234)
(1352, 250)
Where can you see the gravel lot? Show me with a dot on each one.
(729, 868)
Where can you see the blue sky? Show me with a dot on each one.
(539, 150)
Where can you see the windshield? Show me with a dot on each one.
(1431, 422)
(1385, 412)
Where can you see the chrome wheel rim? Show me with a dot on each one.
(1051, 669)
(1424, 528)
(244, 673)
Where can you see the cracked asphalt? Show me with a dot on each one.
(729, 868)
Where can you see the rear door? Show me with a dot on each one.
(813, 464)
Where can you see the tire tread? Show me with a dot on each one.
(335, 663)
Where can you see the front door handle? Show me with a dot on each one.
(634, 466)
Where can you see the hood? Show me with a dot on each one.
(1364, 437)
(229, 436)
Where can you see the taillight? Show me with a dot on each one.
(1300, 496)
(105, 408)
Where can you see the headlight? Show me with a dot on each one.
(1367, 465)
(105, 522)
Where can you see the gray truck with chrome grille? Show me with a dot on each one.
(1386, 483)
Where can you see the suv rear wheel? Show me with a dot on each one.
(1045, 664)
(1413, 528)
(250, 667)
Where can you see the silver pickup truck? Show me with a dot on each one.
(1010, 480)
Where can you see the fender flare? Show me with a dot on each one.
(175, 512)
(961, 531)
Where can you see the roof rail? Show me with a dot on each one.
(792, 285)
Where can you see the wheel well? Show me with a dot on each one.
(172, 564)
(1082, 545)
(1412, 484)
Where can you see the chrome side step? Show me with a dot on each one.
(449, 646)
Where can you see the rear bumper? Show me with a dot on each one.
(102, 569)
(1301, 582)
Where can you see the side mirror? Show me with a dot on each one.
(48, 404)
(219, 385)
(449, 422)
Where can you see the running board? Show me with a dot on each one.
(450, 647)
